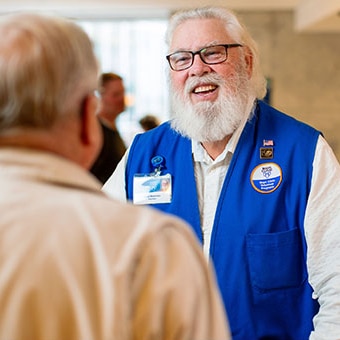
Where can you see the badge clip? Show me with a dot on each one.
(158, 163)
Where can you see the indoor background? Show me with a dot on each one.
(299, 42)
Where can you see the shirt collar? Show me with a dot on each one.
(38, 165)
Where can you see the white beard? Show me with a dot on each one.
(209, 121)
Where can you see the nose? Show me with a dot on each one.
(198, 67)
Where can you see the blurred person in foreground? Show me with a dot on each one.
(260, 189)
(111, 105)
(74, 264)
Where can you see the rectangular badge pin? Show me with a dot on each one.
(266, 153)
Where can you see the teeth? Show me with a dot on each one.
(205, 88)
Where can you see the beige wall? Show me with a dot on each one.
(304, 68)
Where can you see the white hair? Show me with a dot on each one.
(47, 65)
(235, 29)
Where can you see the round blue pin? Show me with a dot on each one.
(157, 161)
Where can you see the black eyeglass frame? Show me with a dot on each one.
(226, 46)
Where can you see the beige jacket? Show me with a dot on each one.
(75, 265)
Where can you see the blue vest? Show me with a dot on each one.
(257, 244)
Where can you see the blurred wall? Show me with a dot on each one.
(304, 69)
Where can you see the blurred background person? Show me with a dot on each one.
(149, 122)
(112, 104)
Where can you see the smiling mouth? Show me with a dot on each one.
(204, 89)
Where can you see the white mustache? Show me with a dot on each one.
(211, 78)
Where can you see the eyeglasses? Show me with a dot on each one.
(210, 55)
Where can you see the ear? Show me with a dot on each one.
(89, 121)
(249, 60)
(90, 130)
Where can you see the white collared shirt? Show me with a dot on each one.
(209, 176)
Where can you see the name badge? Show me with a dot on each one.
(152, 188)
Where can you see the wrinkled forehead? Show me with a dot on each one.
(194, 34)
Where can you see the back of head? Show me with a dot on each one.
(149, 122)
(235, 29)
(47, 65)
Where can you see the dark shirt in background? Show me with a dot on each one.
(111, 153)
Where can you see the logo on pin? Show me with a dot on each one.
(266, 153)
(157, 163)
(266, 177)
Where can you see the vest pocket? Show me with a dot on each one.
(276, 260)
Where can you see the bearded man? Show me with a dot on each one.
(260, 189)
